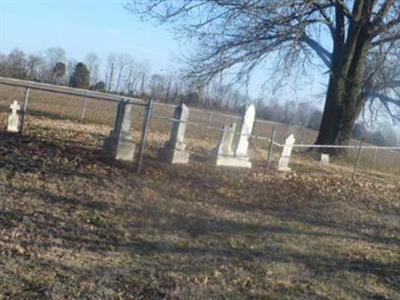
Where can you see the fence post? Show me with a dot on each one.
(356, 161)
(83, 111)
(286, 130)
(209, 120)
(375, 157)
(271, 147)
(146, 122)
(24, 111)
(303, 134)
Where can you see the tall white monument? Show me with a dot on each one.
(224, 155)
(245, 133)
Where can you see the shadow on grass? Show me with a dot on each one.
(167, 256)
(55, 157)
(76, 222)
(205, 187)
(103, 236)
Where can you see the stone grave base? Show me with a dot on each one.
(13, 124)
(116, 149)
(231, 161)
(284, 169)
(283, 165)
(173, 155)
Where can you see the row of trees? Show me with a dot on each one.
(119, 73)
(50, 66)
(356, 42)
(122, 74)
(307, 115)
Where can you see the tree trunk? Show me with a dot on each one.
(344, 99)
(338, 120)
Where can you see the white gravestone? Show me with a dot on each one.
(119, 145)
(225, 145)
(283, 164)
(224, 155)
(175, 149)
(13, 119)
(245, 133)
(325, 159)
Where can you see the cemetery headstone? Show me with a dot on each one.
(325, 159)
(283, 164)
(119, 145)
(13, 119)
(224, 154)
(175, 149)
(245, 133)
(225, 146)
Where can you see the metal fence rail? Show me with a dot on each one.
(69, 91)
(90, 106)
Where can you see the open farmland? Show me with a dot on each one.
(59, 106)
(73, 226)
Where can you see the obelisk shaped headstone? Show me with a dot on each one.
(119, 145)
(245, 133)
(175, 149)
(283, 164)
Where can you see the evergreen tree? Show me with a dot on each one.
(81, 77)
(100, 86)
(58, 71)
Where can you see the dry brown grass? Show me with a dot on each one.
(57, 106)
(73, 226)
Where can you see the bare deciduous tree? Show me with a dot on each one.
(122, 61)
(92, 62)
(110, 69)
(53, 56)
(35, 67)
(344, 34)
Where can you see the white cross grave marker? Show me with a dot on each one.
(13, 119)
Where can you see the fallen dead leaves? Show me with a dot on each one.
(73, 226)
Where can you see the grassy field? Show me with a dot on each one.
(58, 106)
(73, 226)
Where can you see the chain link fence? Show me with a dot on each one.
(203, 132)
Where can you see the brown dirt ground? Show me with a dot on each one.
(73, 226)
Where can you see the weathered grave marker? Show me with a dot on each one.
(224, 154)
(175, 149)
(226, 143)
(245, 133)
(13, 119)
(283, 164)
(119, 145)
(324, 159)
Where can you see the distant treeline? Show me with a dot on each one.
(122, 74)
